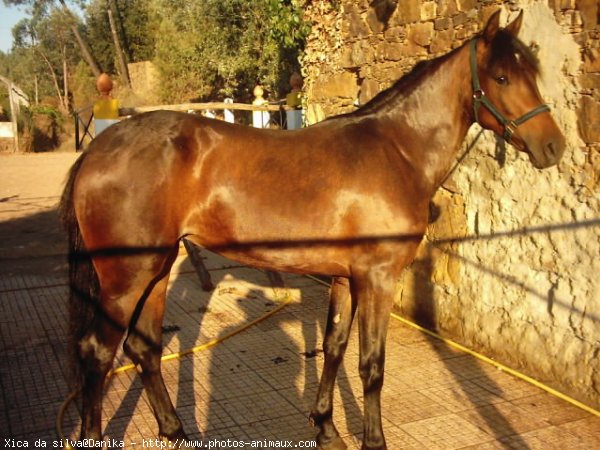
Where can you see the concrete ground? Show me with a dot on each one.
(258, 384)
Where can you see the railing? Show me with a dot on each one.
(79, 120)
(263, 116)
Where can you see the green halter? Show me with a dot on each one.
(479, 98)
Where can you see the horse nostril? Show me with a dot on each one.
(555, 149)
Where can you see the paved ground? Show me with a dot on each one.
(260, 383)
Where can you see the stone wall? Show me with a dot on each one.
(145, 82)
(524, 287)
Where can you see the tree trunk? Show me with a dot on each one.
(54, 79)
(120, 55)
(85, 50)
(65, 81)
(13, 117)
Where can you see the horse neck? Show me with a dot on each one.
(431, 119)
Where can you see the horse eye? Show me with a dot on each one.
(502, 80)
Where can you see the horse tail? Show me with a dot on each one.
(84, 287)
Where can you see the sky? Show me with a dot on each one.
(9, 16)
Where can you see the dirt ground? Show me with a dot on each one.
(31, 238)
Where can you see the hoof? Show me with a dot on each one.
(380, 447)
(208, 287)
(336, 443)
(175, 440)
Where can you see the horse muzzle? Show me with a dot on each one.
(546, 154)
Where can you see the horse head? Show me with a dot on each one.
(506, 98)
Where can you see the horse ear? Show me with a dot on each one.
(515, 25)
(492, 27)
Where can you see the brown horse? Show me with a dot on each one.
(347, 198)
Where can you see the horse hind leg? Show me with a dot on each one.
(144, 346)
(339, 321)
(96, 352)
(128, 284)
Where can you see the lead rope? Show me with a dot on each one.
(461, 158)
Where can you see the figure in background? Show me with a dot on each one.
(106, 108)
(294, 100)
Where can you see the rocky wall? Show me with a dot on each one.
(511, 266)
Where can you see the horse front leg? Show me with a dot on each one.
(374, 292)
(339, 322)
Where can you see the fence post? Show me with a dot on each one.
(228, 113)
(77, 144)
(294, 100)
(106, 108)
(260, 119)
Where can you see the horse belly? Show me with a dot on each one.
(320, 260)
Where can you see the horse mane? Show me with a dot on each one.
(405, 84)
(507, 51)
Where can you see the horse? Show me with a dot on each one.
(345, 198)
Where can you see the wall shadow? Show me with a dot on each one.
(483, 401)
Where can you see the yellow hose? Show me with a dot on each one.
(500, 366)
(212, 342)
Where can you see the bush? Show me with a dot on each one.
(40, 128)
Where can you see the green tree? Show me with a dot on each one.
(137, 32)
(42, 7)
(216, 48)
(43, 47)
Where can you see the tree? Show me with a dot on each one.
(136, 32)
(46, 38)
(39, 7)
(216, 48)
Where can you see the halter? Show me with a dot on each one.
(479, 98)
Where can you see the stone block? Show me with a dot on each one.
(591, 60)
(567, 4)
(589, 119)
(368, 90)
(466, 5)
(354, 25)
(442, 23)
(459, 19)
(395, 34)
(393, 52)
(373, 21)
(590, 13)
(407, 11)
(341, 85)
(357, 54)
(442, 42)
(447, 8)
(590, 82)
(421, 33)
(428, 10)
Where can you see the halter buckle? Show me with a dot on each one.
(509, 129)
(478, 94)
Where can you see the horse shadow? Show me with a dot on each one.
(288, 380)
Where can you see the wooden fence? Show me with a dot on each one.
(276, 118)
